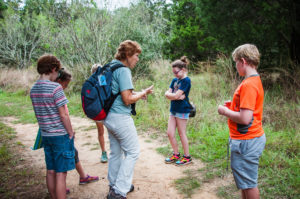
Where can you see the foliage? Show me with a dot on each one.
(187, 35)
(208, 132)
(78, 33)
(202, 29)
(272, 25)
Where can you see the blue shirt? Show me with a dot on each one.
(181, 106)
(121, 81)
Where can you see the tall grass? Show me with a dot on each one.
(208, 132)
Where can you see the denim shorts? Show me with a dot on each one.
(245, 156)
(59, 153)
(180, 115)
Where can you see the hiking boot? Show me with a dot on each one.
(172, 159)
(130, 190)
(184, 160)
(113, 195)
(88, 179)
(104, 157)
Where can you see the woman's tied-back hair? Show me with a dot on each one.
(183, 62)
(63, 75)
(46, 63)
(127, 49)
(249, 52)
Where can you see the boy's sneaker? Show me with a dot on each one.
(173, 158)
(184, 160)
(104, 157)
(88, 179)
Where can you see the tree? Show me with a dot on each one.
(272, 25)
(187, 35)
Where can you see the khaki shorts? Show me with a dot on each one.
(245, 156)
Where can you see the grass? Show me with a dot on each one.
(18, 179)
(188, 184)
(207, 132)
(17, 104)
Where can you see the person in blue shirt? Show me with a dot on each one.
(124, 143)
(180, 109)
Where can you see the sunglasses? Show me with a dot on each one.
(177, 72)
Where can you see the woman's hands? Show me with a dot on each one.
(147, 91)
(130, 97)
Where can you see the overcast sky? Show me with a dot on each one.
(114, 4)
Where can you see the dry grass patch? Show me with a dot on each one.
(15, 80)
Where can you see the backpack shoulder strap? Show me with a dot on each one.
(116, 66)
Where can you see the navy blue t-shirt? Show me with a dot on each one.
(181, 106)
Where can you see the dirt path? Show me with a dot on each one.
(152, 178)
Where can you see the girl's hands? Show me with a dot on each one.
(182, 97)
(179, 95)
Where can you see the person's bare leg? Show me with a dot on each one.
(50, 181)
(80, 170)
(243, 194)
(61, 185)
(171, 134)
(252, 193)
(181, 127)
(100, 129)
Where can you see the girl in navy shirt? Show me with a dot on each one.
(179, 112)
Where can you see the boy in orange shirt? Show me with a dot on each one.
(244, 112)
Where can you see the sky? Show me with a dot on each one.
(111, 4)
(114, 4)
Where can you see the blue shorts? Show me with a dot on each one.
(180, 115)
(59, 153)
(245, 156)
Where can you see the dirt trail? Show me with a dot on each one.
(152, 178)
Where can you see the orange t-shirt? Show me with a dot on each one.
(249, 95)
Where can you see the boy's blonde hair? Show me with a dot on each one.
(249, 52)
(95, 67)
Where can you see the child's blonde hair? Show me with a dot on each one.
(95, 67)
(249, 52)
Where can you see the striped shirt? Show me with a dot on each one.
(47, 97)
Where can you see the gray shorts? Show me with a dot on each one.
(245, 156)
